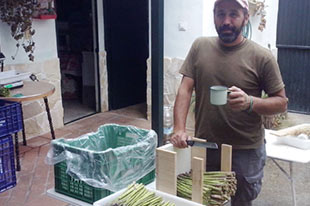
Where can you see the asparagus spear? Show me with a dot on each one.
(138, 195)
(218, 187)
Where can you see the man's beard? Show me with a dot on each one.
(229, 37)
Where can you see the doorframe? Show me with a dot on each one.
(157, 51)
(96, 54)
(95, 51)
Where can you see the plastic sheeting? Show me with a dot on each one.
(111, 158)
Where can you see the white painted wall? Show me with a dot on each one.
(44, 38)
(198, 15)
(100, 25)
(184, 13)
(269, 34)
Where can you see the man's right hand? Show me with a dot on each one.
(178, 139)
(181, 107)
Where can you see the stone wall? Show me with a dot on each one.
(35, 117)
(103, 82)
(172, 80)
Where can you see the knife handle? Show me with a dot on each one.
(198, 139)
(190, 142)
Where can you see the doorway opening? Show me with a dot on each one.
(76, 30)
(126, 26)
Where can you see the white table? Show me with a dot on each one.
(285, 153)
(29, 92)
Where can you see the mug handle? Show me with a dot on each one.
(228, 92)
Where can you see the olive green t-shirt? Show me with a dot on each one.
(248, 66)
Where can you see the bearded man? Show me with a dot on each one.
(247, 69)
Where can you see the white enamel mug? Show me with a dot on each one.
(218, 95)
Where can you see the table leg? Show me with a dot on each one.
(290, 177)
(292, 184)
(17, 152)
(49, 117)
(23, 130)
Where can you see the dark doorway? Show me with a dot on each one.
(76, 43)
(293, 42)
(127, 46)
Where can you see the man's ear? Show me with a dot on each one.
(246, 18)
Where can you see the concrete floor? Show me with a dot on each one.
(276, 190)
(294, 119)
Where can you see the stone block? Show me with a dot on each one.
(172, 80)
(51, 69)
(104, 104)
(33, 108)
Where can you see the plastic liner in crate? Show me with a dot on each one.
(78, 189)
(111, 158)
(7, 166)
(11, 119)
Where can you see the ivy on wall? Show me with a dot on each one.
(18, 14)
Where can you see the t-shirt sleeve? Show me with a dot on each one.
(272, 77)
(187, 68)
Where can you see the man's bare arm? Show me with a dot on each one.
(273, 104)
(181, 108)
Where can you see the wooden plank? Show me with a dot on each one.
(166, 175)
(199, 152)
(197, 177)
(226, 158)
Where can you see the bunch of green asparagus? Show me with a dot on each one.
(138, 195)
(218, 187)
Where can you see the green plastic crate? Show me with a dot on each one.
(78, 189)
(115, 154)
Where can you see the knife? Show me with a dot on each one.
(210, 145)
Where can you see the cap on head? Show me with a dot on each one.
(243, 3)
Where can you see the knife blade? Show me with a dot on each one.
(210, 145)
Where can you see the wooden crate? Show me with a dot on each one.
(172, 161)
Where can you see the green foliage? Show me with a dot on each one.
(4, 92)
(18, 15)
(264, 95)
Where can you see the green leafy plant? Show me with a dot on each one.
(18, 15)
(4, 92)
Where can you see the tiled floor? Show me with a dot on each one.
(36, 177)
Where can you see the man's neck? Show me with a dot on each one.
(238, 41)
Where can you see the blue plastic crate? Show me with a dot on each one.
(11, 119)
(7, 166)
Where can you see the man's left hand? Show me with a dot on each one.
(238, 100)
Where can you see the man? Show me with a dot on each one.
(247, 69)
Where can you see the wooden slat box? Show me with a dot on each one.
(172, 161)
